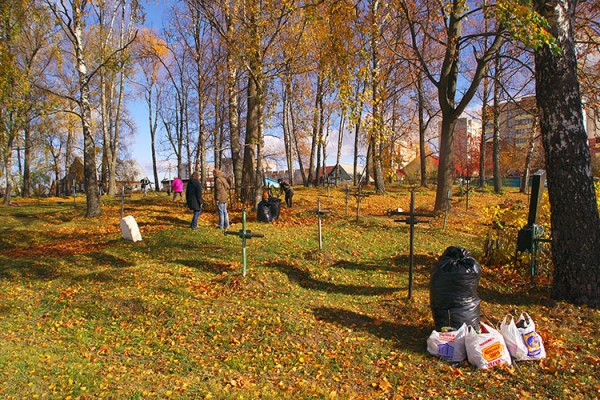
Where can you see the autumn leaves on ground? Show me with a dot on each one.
(85, 314)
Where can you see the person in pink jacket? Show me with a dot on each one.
(177, 188)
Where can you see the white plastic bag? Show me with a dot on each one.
(514, 341)
(450, 346)
(533, 341)
(486, 349)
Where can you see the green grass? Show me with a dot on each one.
(85, 314)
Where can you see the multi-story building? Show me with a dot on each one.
(517, 124)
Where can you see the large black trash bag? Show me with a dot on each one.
(268, 209)
(263, 211)
(275, 207)
(453, 289)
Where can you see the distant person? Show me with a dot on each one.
(145, 185)
(221, 197)
(177, 188)
(286, 188)
(193, 198)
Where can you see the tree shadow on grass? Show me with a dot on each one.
(108, 260)
(304, 279)
(420, 261)
(408, 337)
(37, 270)
(526, 296)
(212, 267)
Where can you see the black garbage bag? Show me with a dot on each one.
(268, 209)
(263, 211)
(275, 207)
(453, 289)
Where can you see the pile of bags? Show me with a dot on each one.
(489, 347)
(459, 334)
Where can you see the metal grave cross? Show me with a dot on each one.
(244, 234)
(412, 221)
(122, 196)
(320, 212)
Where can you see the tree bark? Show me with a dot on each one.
(26, 192)
(496, 140)
(422, 129)
(574, 211)
(315, 132)
(89, 155)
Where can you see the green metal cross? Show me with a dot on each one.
(244, 234)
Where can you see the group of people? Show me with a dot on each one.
(193, 195)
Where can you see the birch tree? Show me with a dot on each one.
(574, 217)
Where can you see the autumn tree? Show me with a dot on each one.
(574, 217)
(116, 27)
(460, 41)
(14, 87)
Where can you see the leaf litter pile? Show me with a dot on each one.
(85, 314)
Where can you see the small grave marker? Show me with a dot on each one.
(320, 213)
(359, 195)
(412, 221)
(244, 234)
(130, 229)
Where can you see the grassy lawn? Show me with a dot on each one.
(85, 314)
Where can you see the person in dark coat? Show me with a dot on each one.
(286, 188)
(193, 196)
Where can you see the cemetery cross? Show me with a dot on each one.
(244, 234)
(320, 213)
(412, 221)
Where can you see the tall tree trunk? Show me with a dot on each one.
(377, 133)
(8, 170)
(574, 211)
(315, 132)
(234, 129)
(89, 154)
(251, 142)
(422, 129)
(496, 121)
(152, 125)
(340, 144)
(287, 126)
(106, 127)
(296, 145)
(446, 163)
(26, 187)
(251, 179)
(484, 110)
(357, 124)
